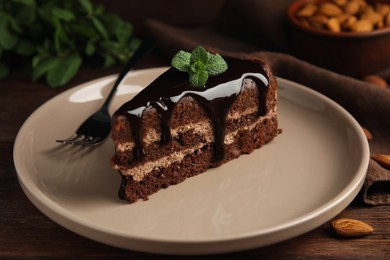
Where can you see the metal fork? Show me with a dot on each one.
(98, 126)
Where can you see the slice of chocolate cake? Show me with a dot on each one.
(172, 130)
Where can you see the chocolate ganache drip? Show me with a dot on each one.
(216, 98)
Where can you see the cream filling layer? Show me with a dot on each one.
(139, 172)
(199, 128)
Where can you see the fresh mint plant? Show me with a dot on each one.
(53, 38)
(200, 64)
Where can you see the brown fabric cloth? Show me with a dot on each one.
(368, 104)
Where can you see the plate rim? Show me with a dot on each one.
(244, 240)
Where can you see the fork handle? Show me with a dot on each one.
(147, 45)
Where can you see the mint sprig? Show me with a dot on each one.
(54, 38)
(199, 64)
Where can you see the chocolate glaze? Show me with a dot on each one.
(216, 97)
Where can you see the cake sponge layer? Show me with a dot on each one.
(196, 160)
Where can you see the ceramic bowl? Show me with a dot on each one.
(355, 54)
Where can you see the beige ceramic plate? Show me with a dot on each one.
(306, 176)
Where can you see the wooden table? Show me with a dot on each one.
(26, 232)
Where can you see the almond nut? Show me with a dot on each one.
(382, 9)
(308, 10)
(367, 9)
(340, 2)
(374, 18)
(382, 159)
(349, 23)
(318, 19)
(350, 227)
(333, 25)
(352, 15)
(343, 18)
(376, 80)
(362, 3)
(330, 10)
(367, 133)
(351, 8)
(362, 26)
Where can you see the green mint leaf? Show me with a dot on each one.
(199, 78)
(134, 44)
(88, 7)
(8, 38)
(41, 30)
(197, 67)
(199, 54)
(63, 14)
(64, 70)
(90, 48)
(181, 61)
(99, 10)
(199, 64)
(100, 28)
(123, 33)
(37, 59)
(41, 66)
(61, 39)
(109, 45)
(216, 65)
(14, 25)
(120, 29)
(83, 30)
(109, 61)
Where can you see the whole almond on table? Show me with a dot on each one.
(382, 159)
(346, 227)
(367, 133)
(376, 80)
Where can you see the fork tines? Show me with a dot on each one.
(82, 140)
